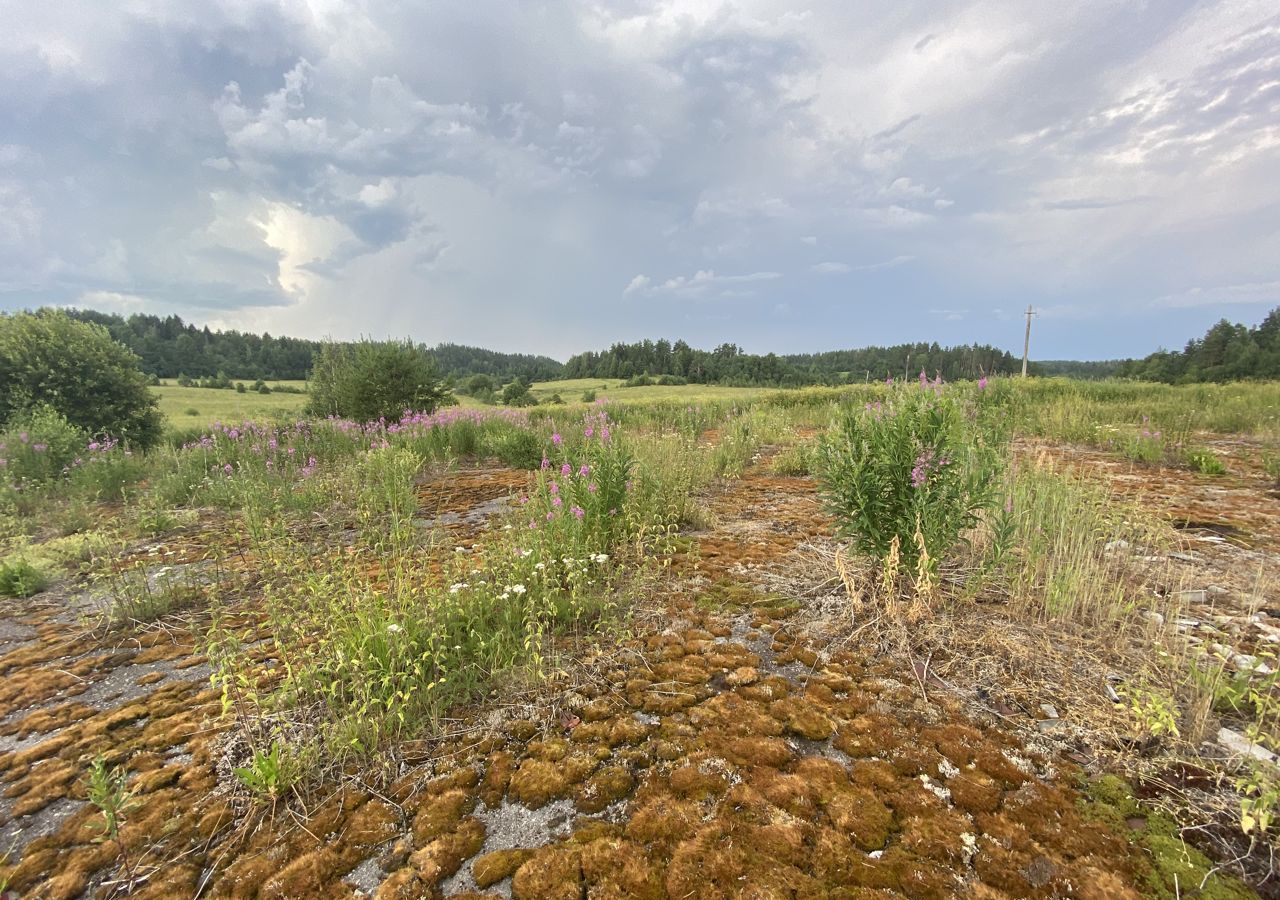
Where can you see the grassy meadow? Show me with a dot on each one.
(196, 407)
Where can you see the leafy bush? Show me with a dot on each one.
(374, 380)
(588, 396)
(20, 578)
(517, 394)
(908, 476)
(50, 359)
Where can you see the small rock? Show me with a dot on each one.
(1047, 725)
(1239, 745)
(1198, 596)
(1217, 590)
(1049, 711)
(1154, 617)
(1185, 557)
(1111, 693)
(1112, 546)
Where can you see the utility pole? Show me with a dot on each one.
(1026, 343)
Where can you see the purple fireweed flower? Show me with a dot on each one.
(551, 516)
(1008, 504)
(39, 448)
(982, 383)
(556, 439)
(924, 379)
(920, 473)
(591, 488)
(578, 511)
(604, 434)
(588, 432)
(546, 463)
(227, 468)
(566, 469)
(584, 471)
(557, 502)
(553, 487)
(888, 382)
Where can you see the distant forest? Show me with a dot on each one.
(169, 347)
(729, 365)
(1227, 352)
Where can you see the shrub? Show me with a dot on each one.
(20, 578)
(374, 380)
(908, 476)
(1206, 462)
(588, 396)
(49, 359)
(240, 388)
(517, 394)
(39, 446)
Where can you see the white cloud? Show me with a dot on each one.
(699, 284)
(637, 284)
(1250, 293)
(831, 268)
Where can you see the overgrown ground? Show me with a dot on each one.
(721, 706)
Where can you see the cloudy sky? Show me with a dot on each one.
(554, 176)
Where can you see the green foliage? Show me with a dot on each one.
(644, 362)
(50, 359)
(268, 774)
(517, 394)
(588, 396)
(39, 446)
(1206, 462)
(374, 380)
(915, 465)
(19, 577)
(107, 790)
(1227, 352)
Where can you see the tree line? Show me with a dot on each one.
(169, 347)
(1227, 352)
(728, 364)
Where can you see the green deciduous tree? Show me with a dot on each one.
(76, 369)
(374, 380)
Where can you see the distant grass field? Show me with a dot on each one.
(194, 407)
(571, 391)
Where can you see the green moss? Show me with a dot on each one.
(728, 596)
(1167, 864)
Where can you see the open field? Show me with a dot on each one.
(195, 407)
(644, 650)
(611, 390)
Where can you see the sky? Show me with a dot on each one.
(552, 177)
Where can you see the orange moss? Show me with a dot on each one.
(536, 782)
(494, 867)
(552, 873)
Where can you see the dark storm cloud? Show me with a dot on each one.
(556, 176)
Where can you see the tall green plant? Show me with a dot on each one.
(909, 475)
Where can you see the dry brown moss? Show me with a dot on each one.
(493, 867)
